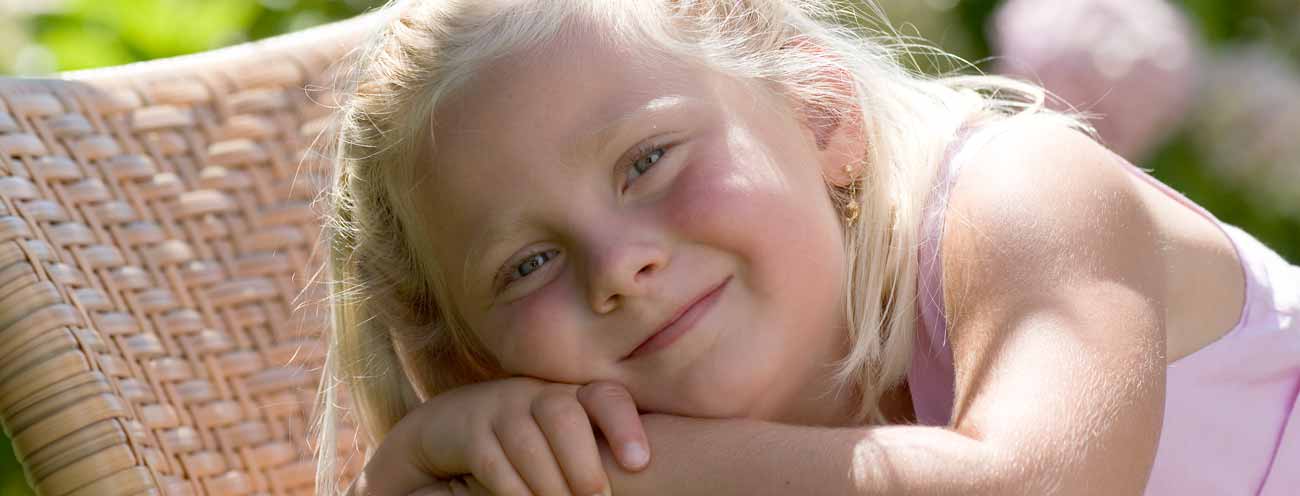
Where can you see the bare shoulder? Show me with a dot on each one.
(1053, 284)
(1039, 205)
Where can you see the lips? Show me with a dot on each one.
(681, 322)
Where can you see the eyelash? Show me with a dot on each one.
(643, 151)
(507, 274)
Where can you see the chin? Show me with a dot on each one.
(718, 392)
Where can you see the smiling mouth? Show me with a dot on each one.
(682, 322)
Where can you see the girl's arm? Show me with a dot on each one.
(1055, 283)
(748, 457)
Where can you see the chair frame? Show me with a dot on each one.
(160, 259)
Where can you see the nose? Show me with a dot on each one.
(621, 269)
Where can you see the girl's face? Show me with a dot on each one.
(586, 194)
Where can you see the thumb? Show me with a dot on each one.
(611, 408)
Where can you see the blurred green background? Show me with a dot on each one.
(1224, 166)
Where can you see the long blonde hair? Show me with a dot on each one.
(394, 343)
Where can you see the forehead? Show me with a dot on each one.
(552, 95)
(525, 116)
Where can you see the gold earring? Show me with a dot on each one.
(851, 208)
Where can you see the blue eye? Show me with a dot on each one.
(648, 156)
(530, 264)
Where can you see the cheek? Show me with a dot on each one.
(541, 336)
(772, 216)
(768, 210)
(721, 193)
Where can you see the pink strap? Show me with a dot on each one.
(930, 377)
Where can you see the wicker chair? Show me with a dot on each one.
(157, 238)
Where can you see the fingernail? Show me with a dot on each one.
(635, 454)
(604, 493)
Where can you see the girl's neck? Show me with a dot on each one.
(839, 410)
(829, 410)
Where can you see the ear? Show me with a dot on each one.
(841, 148)
(835, 122)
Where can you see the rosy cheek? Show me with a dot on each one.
(725, 187)
(541, 337)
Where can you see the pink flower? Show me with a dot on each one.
(1130, 63)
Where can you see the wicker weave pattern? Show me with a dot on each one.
(156, 237)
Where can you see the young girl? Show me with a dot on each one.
(726, 247)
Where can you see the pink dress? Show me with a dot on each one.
(1232, 418)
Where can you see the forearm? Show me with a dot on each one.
(699, 456)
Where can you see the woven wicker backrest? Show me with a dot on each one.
(157, 233)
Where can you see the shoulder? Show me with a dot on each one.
(1038, 205)
(1053, 282)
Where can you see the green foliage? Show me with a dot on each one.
(84, 46)
(11, 473)
(84, 34)
(163, 28)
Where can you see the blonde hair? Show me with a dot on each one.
(394, 344)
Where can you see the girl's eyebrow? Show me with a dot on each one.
(481, 245)
(602, 137)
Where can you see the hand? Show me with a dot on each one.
(517, 436)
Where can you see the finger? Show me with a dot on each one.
(392, 469)
(488, 463)
(612, 409)
(568, 431)
(526, 448)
